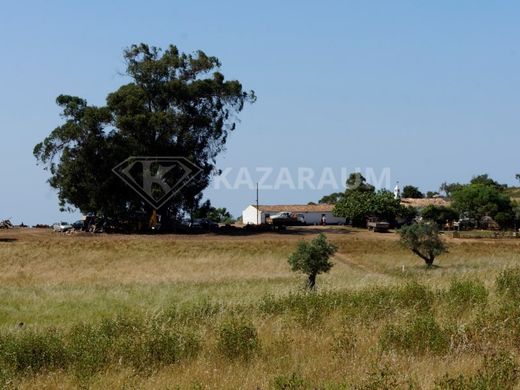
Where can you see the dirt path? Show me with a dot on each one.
(349, 262)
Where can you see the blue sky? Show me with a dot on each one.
(430, 90)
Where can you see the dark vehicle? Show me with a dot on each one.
(374, 225)
(203, 224)
(465, 223)
(78, 225)
(286, 219)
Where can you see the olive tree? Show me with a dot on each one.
(423, 239)
(312, 258)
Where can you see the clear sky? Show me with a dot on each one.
(428, 89)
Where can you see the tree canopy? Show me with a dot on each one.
(423, 239)
(360, 201)
(175, 104)
(412, 192)
(439, 214)
(484, 197)
(312, 258)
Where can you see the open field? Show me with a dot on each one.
(379, 318)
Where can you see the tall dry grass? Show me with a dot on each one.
(226, 312)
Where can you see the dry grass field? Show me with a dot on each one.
(217, 311)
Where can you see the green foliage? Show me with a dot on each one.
(32, 352)
(450, 188)
(499, 371)
(405, 312)
(168, 346)
(508, 283)
(301, 304)
(465, 294)
(484, 197)
(411, 192)
(290, 382)
(88, 348)
(367, 304)
(332, 198)
(237, 339)
(485, 180)
(420, 334)
(381, 302)
(219, 215)
(357, 182)
(193, 313)
(384, 378)
(439, 214)
(360, 201)
(175, 104)
(312, 258)
(359, 205)
(423, 239)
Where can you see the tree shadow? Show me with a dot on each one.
(297, 231)
(327, 230)
(8, 239)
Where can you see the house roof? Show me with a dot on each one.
(423, 202)
(297, 208)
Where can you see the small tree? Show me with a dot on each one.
(412, 192)
(439, 214)
(312, 258)
(423, 239)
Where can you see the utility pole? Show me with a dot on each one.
(257, 207)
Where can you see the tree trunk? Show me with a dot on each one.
(427, 259)
(311, 282)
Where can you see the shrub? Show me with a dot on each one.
(464, 294)
(415, 296)
(290, 382)
(306, 308)
(167, 346)
(439, 214)
(376, 303)
(198, 312)
(384, 378)
(237, 339)
(89, 349)
(411, 192)
(508, 283)
(421, 334)
(34, 351)
(499, 371)
(5, 377)
(126, 341)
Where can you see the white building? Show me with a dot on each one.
(312, 214)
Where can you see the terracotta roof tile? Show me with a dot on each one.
(423, 202)
(297, 208)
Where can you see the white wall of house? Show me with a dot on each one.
(249, 216)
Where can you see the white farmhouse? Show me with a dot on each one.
(312, 213)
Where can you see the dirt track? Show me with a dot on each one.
(292, 233)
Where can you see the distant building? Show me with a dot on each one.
(312, 213)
